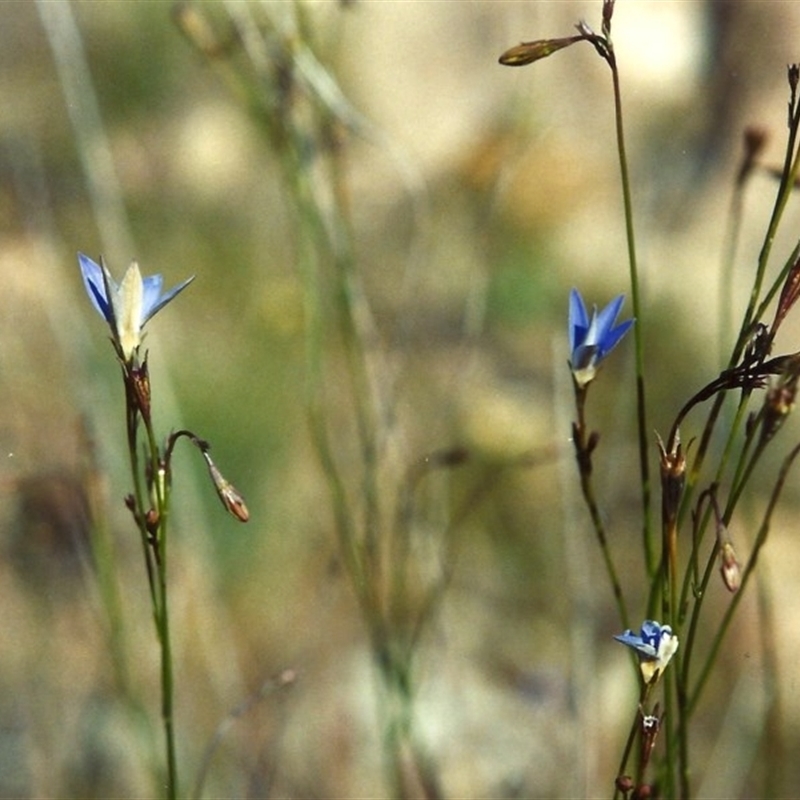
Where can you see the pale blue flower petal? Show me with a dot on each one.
(149, 311)
(95, 287)
(151, 294)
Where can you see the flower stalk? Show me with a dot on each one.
(591, 340)
(127, 307)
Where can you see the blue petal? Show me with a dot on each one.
(645, 643)
(608, 336)
(607, 317)
(95, 287)
(629, 637)
(645, 651)
(612, 338)
(150, 307)
(578, 320)
(652, 633)
(151, 295)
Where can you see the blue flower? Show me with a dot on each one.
(590, 341)
(131, 303)
(655, 645)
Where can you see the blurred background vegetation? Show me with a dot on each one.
(478, 196)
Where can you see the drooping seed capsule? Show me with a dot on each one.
(227, 492)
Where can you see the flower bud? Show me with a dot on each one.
(730, 569)
(673, 476)
(528, 52)
(790, 291)
(140, 385)
(227, 493)
(624, 784)
(778, 404)
(151, 520)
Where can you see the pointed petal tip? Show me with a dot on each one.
(93, 283)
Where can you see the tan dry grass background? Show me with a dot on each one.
(490, 193)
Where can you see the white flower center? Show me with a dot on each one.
(128, 310)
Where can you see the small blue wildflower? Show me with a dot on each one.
(131, 304)
(590, 341)
(655, 645)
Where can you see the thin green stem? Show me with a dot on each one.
(139, 507)
(788, 175)
(152, 524)
(669, 764)
(755, 309)
(162, 492)
(761, 538)
(167, 694)
(682, 732)
(722, 467)
(636, 727)
(585, 443)
(638, 329)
